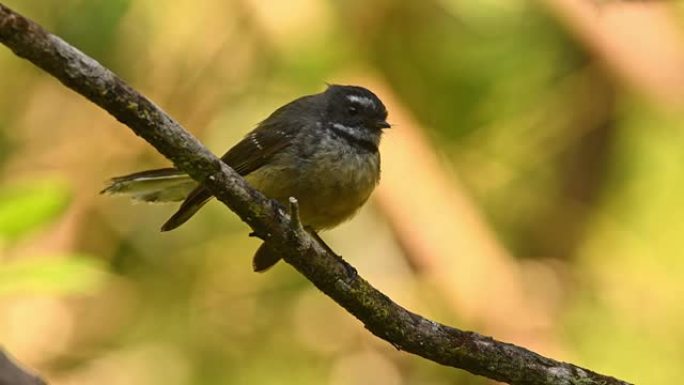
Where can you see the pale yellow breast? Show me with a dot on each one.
(329, 189)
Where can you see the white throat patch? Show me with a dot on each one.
(357, 133)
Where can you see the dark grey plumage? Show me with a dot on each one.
(322, 149)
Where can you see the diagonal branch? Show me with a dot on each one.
(384, 318)
(11, 373)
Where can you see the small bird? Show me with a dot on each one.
(321, 149)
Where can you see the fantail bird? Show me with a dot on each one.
(321, 149)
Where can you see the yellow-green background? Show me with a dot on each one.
(580, 176)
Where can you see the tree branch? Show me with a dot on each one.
(380, 315)
(13, 374)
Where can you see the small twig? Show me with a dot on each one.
(295, 221)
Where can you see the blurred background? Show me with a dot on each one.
(533, 190)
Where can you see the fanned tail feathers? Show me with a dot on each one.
(161, 186)
(154, 186)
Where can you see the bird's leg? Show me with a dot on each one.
(350, 270)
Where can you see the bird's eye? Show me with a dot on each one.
(352, 110)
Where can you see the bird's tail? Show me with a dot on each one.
(153, 186)
(161, 186)
(264, 258)
(171, 185)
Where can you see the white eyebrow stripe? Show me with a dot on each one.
(362, 100)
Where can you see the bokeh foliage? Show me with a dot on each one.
(579, 176)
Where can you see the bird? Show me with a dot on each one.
(321, 149)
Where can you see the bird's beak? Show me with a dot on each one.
(382, 124)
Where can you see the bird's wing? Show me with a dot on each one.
(254, 151)
(259, 146)
(272, 135)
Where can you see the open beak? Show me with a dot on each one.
(382, 124)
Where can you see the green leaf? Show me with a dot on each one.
(56, 275)
(30, 205)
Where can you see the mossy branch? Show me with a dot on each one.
(403, 329)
